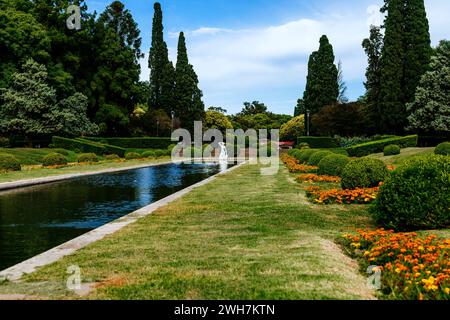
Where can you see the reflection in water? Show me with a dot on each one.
(35, 219)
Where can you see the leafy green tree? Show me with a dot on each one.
(21, 37)
(373, 47)
(188, 96)
(30, 107)
(217, 120)
(161, 69)
(291, 130)
(253, 108)
(322, 87)
(116, 82)
(392, 96)
(430, 112)
(218, 109)
(417, 46)
(300, 108)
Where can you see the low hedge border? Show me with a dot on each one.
(86, 146)
(135, 143)
(369, 148)
(319, 142)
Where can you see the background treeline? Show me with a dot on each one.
(407, 81)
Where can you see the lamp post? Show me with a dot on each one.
(173, 117)
(308, 113)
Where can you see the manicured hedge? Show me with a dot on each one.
(85, 146)
(333, 165)
(364, 173)
(54, 159)
(136, 143)
(392, 150)
(9, 163)
(319, 142)
(368, 148)
(443, 149)
(87, 157)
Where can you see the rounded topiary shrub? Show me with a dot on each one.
(304, 155)
(303, 145)
(9, 163)
(333, 165)
(112, 157)
(54, 159)
(392, 150)
(149, 154)
(416, 196)
(133, 155)
(162, 153)
(364, 173)
(87, 157)
(317, 157)
(443, 149)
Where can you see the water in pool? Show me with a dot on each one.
(35, 219)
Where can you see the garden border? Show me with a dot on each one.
(31, 265)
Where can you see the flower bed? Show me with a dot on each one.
(412, 267)
(336, 196)
(310, 178)
(294, 167)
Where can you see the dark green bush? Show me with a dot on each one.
(303, 145)
(392, 150)
(317, 157)
(416, 196)
(443, 149)
(108, 149)
(54, 159)
(364, 173)
(368, 148)
(137, 143)
(133, 155)
(333, 165)
(149, 154)
(88, 157)
(319, 142)
(4, 142)
(9, 163)
(304, 155)
(112, 157)
(162, 153)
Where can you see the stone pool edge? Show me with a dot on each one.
(57, 178)
(31, 265)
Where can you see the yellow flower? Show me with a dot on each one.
(447, 290)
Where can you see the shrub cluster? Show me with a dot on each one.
(416, 196)
(54, 159)
(364, 173)
(316, 157)
(88, 157)
(443, 149)
(333, 165)
(112, 157)
(392, 150)
(9, 163)
(368, 148)
(133, 155)
(64, 152)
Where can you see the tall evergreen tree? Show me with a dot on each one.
(417, 46)
(322, 86)
(161, 69)
(392, 105)
(373, 46)
(188, 96)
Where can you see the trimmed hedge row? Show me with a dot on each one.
(319, 142)
(86, 146)
(136, 143)
(368, 148)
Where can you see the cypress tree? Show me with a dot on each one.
(188, 97)
(417, 46)
(161, 74)
(322, 87)
(373, 46)
(392, 106)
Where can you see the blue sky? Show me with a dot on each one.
(245, 50)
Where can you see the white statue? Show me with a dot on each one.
(223, 151)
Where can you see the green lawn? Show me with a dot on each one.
(244, 236)
(406, 154)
